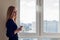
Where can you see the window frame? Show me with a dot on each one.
(50, 35)
(37, 22)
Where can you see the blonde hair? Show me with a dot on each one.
(9, 12)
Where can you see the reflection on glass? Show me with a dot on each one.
(51, 16)
(28, 15)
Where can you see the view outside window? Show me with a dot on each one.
(51, 16)
(28, 15)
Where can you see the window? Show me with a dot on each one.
(51, 16)
(28, 19)
(28, 15)
(39, 17)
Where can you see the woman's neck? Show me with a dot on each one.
(13, 19)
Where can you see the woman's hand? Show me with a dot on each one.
(16, 31)
(19, 29)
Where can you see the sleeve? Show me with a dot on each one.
(10, 29)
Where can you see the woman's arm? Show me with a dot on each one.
(17, 30)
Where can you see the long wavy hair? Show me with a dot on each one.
(9, 12)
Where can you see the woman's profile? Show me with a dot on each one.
(11, 26)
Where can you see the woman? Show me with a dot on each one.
(11, 24)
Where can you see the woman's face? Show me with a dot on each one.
(14, 13)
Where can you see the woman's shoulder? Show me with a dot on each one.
(9, 21)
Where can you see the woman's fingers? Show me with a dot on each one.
(20, 27)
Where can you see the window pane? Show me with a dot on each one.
(28, 15)
(28, 39)
(51, 16)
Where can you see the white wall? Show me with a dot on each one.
(4, 4)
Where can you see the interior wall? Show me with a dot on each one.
(4, 4)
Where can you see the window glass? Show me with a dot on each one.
(28, 15)
(51, 16)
